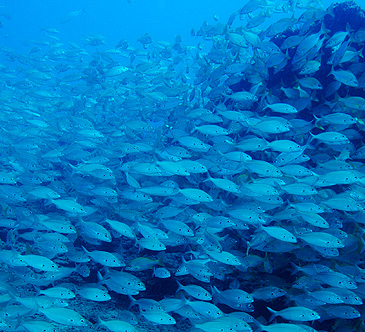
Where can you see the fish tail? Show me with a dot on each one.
(274, 314)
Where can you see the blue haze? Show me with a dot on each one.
(114, 19)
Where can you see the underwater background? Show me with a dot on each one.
(162, 19)
(182, 165)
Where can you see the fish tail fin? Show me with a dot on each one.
(309, 141)
(133, 301)
(99, 322)
(19, 320)
(344, 155)
(215, 294)
(209, 178)
(317, 120)
(311, 138)
(255, 88)
(181, 296)
(73, 169)
(260, 328)
(274, 314)
(85, 250)
(324, 30)
(100, 277)
(179, 287)
(215, 290)
(37, 290)
(296, 268)
(360, 53)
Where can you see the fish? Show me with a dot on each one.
(69, 205)
(177, 227)
(58, 225)
(327, 297)
(116, 325)
(268, 293)
(343, 312)
(345, 77)
(92, 230)
(215, 326)
(40, 262)
(93, 293)
(206, 309)
(151, 243)
(224, 184)
(159, 317)
(234, 298)
(161, 273)
(71, 16)
(58, 292)
(196, 194)
(279, 233)
(12, 258)
(282, 108)
(116, 71)
(283, 326)
(195, 291)
(104, 258)
(44, 193)
(64, 316)
(188, 175)
(38, 325)
(300, 314)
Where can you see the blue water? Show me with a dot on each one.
(162, 19)
(114, 19)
